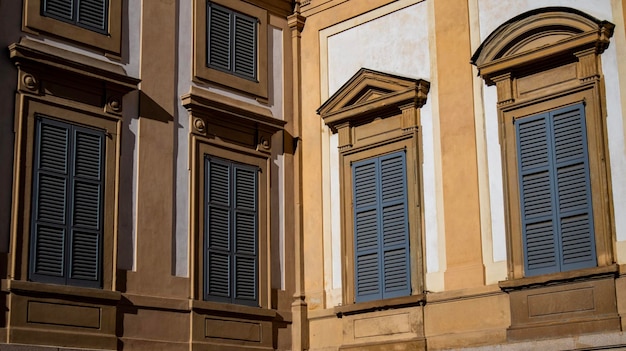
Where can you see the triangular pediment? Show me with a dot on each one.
(369, 91)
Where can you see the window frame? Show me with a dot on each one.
(87, 119)
(597, 173)
(109, 43)
(377, 114)
(244, 157)
(69, 229)
(202, 73)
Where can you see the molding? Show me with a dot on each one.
(560, 277)
(22, 287)
(370, 93)
(30, 52)
(380, 305)
(547, 33)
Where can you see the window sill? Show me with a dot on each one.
(379, 305)
(25, 287)
(256, 313)
(555, 278)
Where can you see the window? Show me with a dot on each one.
(231, 40)
(555, 193)
(93, 23)
(546, 67)
(231, 45)
(231, 232)
(67, 200)
(89, 14)
(381, 237)
(376, 116)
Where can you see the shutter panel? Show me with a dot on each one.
(394, 219)
(218, 36)
(245, 219)
(245, 46)
(555, 193)
(217, 240)
(368, 283)
(87, 202)
(574, 192)
(59, 9)
(536, 189)
(50, 189)
(92, 14)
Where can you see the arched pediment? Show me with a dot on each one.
(537, 35)
(370, 92)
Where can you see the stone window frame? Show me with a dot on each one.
(202, 73)
(375, 114)
(109, 43)
(540, 61)
(242, 132)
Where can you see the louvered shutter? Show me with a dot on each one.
(366, 233)
(67, 204)
(231, 41)
(380, 228)
(394, 225)
(217, 240)
(59, 9)
(86, 216)
(245, 234)
(89, 14)
(93, 14)
(231, 232)
(557, 224)
(244, 46)
(575, 214)
(218, 36)
(50, 193)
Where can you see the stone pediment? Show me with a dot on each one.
(555, 32)
(369, 93)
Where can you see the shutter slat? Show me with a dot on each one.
(245, 278)
(218, 267)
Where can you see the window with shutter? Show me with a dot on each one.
(68, 182)
(381, 238)
(88, 14)
(232, 41)
(555, 193)
(231, 234)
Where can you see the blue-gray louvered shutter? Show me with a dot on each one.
(381, 228)
(574, 205)
(245, 234)
(555, 195)
(218, 36)
(366, 238)
(244, 46)
(66, 236)
(231, 232)
(89, 14)
(394, 225)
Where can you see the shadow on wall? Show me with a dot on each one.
(9, 33)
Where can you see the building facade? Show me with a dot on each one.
(312, 175)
